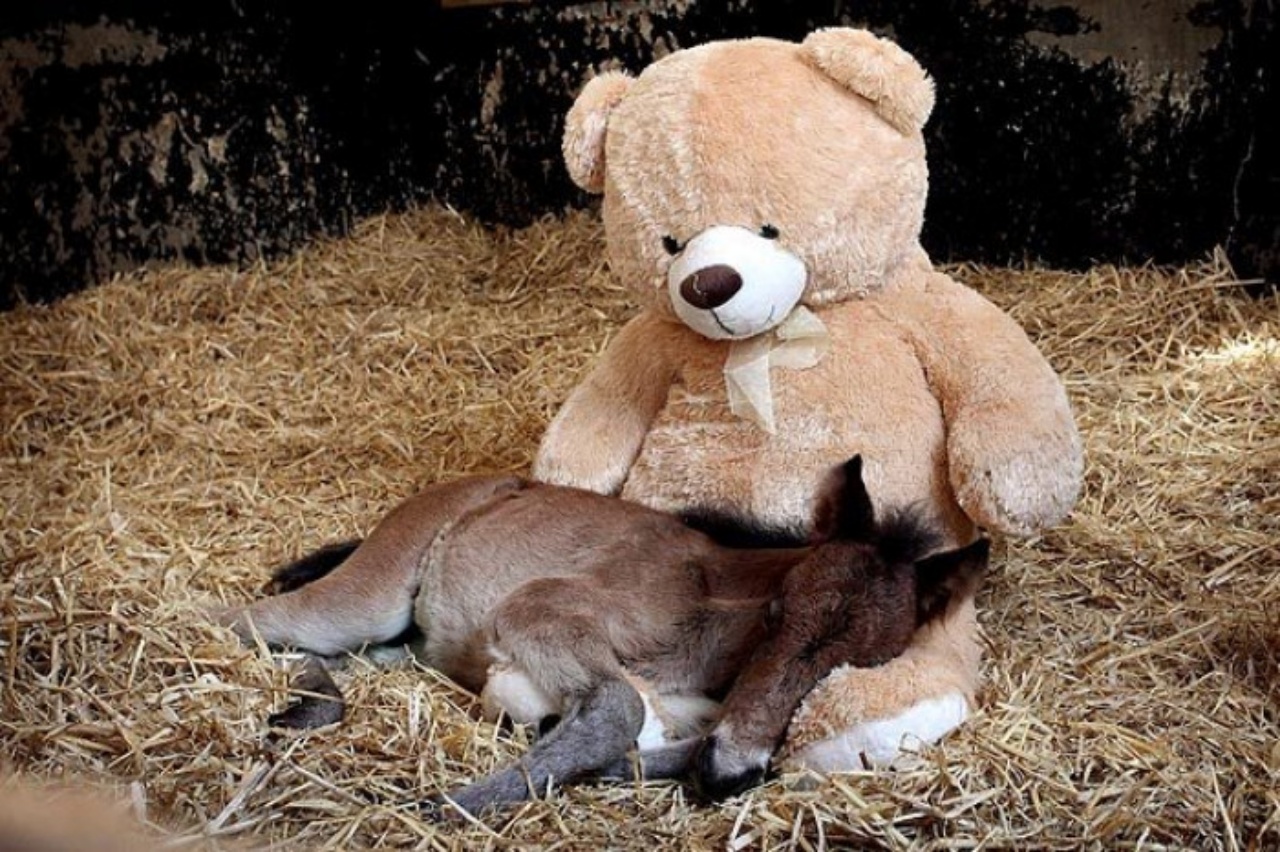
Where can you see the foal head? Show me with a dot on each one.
(857, 599)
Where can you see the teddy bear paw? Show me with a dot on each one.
(893, 741)
(1022, 494)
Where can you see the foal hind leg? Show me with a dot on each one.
(369, 598)
(594, 733)
(553, 631)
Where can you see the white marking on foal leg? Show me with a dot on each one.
(688, 715)
(654, 732)
(885, 742)
(510, 690)
(671, 716)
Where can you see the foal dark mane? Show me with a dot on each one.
(736, 530)
(905, 535)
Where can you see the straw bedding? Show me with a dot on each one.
(169, 436)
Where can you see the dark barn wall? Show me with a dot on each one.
(1065, 133)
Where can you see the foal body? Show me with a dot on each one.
(553, 600)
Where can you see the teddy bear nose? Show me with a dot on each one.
(711, 286)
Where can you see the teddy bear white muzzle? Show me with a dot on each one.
(729, 283)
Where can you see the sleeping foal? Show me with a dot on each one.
(561, 602)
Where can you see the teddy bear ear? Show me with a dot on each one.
(585, 126)
(878, 70)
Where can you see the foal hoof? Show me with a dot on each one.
(718, 776)
(437, 809)
(321, 704)
(547, 724)
(306, 714)
(433, 810)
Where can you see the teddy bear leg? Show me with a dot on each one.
(856, 718)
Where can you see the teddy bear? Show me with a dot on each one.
(763, 202)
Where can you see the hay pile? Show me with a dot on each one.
(169, 436)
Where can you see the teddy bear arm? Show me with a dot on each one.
(595, 437)
(1014, 452)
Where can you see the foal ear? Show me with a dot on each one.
(843, 507)
(953, 576)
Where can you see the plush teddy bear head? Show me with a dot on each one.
(742, 178)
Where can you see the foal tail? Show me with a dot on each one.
(309, 568)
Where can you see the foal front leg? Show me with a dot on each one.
(814, 637)
(663, 763)
(593, 735)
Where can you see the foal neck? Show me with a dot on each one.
(750, 575)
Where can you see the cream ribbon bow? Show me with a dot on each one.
(797, 343)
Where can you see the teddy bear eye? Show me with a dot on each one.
(672, 245)
(769, 232)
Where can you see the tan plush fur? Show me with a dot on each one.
(585, 128)
(944, 396)
(876, 69)
(68, 819)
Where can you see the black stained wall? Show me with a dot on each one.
(1071, 133)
